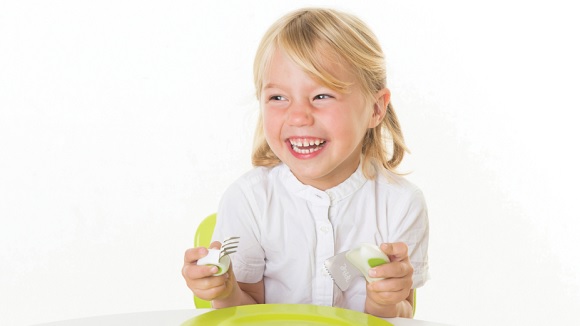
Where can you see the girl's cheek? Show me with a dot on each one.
(268, 126)
(272, 115)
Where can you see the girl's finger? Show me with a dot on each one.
(397, 251)
(194, 254)
(392, 270)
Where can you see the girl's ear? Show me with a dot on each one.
(382, 99)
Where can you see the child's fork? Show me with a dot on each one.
(229, 246)
(220, 257)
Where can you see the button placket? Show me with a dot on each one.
(323, 285)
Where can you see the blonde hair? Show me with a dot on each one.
(312, 38)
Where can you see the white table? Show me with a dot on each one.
(176, 317)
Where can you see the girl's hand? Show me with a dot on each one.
(386, 295)
(200, 278)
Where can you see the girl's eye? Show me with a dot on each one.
(277, 98)
(322, 96)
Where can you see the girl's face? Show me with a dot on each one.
(313, 129)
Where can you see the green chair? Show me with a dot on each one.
(202, 238)
(414, 301)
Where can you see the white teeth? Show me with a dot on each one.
(298, 144)
(305, 150)
(306, 142)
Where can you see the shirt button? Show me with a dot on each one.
(324, 228)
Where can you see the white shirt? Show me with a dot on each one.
(289, 229)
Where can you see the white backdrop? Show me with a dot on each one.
(122, 122)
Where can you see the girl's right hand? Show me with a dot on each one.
(200, 278)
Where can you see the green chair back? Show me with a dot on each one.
(202, 238)
(414, 301)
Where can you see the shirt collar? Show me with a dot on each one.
(330, 196)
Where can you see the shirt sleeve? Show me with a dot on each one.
(237, 216)
(413, 229)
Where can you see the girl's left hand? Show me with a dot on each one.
(398, 276)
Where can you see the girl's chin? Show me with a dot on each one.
(307, 174)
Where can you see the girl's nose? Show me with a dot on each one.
(299, 115)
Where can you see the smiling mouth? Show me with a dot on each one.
(307, 146)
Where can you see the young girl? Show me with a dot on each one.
(324, 180)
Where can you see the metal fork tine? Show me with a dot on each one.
(232, 240)
(232, 249)
(223, 253)
(229, 246)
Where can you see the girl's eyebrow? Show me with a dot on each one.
(271, 85)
